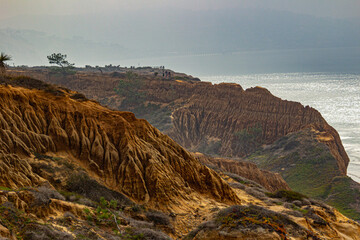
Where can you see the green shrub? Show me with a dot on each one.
(82, 184)
(248, 139)
(44, 232)
(158, 218)
(288, 195)
(113, 204)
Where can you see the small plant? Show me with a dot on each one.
(103, 203)
(113, 204)
(87, 211)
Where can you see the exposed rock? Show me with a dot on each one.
(206, 114)
(4, 232)
(127, 154)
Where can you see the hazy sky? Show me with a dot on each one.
(195, 36)
(327, 8)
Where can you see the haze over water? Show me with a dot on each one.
(335, 96)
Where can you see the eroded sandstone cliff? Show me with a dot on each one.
(127, 154)
(219, 119)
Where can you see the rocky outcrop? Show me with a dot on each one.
(127, 154)
(254, 222)
(269, 180)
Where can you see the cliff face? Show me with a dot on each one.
(219, 119)
(127, 154)
(218, 114)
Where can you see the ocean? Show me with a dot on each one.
(335, 95)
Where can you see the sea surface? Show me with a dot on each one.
(335, 96)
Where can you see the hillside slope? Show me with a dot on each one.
(308, 167)
(127, 154)
(72, 169)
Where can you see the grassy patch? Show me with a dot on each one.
(307, 166)
(157, 115)
(343, 196)
(310, 169)
(82, 184)
(13, 219)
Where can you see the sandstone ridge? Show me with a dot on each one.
(127, 154)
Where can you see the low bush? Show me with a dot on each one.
(256, 193)
(158, 218)
(82, 184)
(245, 181)
(42, 195)
(206, 225)
(149, 234)
(272, 201)
(140, 224)
(289, 205)
(237, 185)
(252, 216)
(44, 232)
(316, 218)
(297, 203)
(287, 195)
